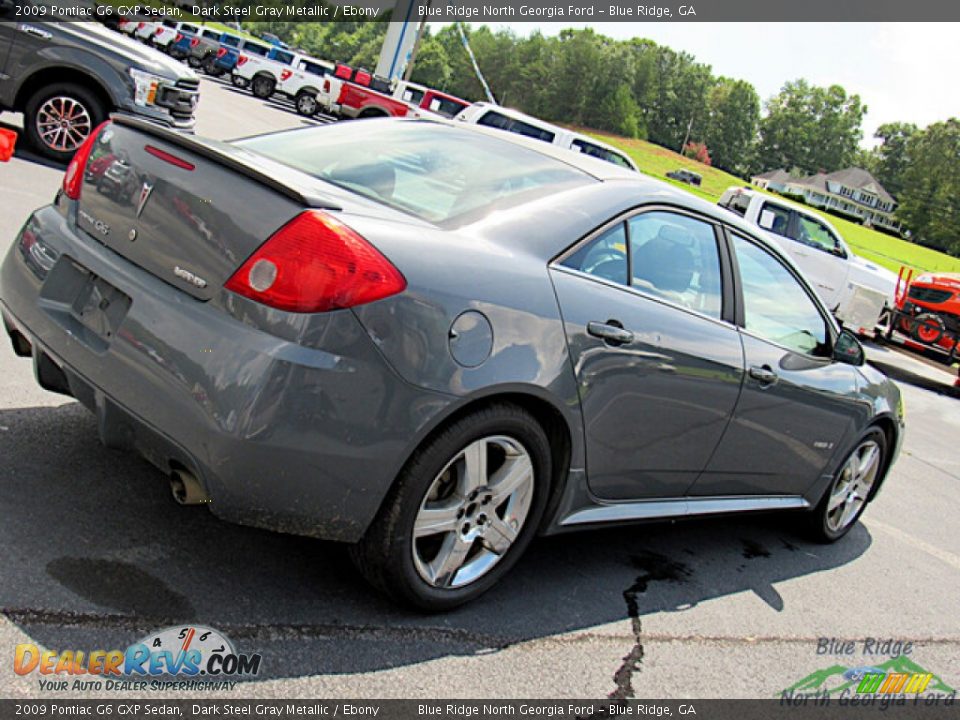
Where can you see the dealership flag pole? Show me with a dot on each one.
(476, 68)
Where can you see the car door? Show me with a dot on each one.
(798, 407)
(658, 366)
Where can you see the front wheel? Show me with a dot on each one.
(240, 82)
(307, 104)
(462, 511)
(59, 118)
(263, 86)
(850, 491)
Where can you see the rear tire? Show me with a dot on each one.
(193, 61)
(263, 86)
(81, 109)
(850, 490)
(462, 511)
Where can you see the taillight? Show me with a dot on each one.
(221, 52)
(158, 32)
(194, 42)
(140, 26)
(315, 263)
(73, 179)
(178, 38)
(242, 59)
(326, 86)
(285, 74)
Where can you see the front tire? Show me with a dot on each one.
(851, 489)
(462, 511)
(263, 86)
(59, 118)
(306, 104)
(239, 82)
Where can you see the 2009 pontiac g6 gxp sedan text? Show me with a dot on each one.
(434, 342)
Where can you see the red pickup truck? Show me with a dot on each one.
(351, 94)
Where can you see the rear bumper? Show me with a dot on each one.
(283, 436)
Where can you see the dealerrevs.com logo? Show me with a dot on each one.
(201, 658)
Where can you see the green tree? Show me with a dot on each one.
(930, 195)
(890, 157)
(813, 128)
(733, 115)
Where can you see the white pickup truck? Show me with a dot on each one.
(263, 74)
(305, 82)
(856, 290)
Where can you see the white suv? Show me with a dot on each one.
(514, 121)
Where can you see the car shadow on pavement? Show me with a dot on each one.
(900, 374)
(22, 152)
(97, 554)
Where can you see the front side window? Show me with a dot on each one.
(672, 257)
(815, 234)
(776, 306)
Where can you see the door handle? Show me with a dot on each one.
(610, 332)
(764, 374)
(35, 31)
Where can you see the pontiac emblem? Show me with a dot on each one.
(144, 196)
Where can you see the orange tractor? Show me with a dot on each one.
(928, 311)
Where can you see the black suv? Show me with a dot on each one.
(66, 77)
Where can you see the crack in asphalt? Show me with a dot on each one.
(653, 567)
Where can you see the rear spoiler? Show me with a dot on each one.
(210, 152)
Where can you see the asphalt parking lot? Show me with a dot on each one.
(95, 554)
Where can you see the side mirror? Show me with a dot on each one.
(847, 349)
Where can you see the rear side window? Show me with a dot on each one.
(315, 68)
(435, 172)
(412, 95)
(255, 48)
(498, 120)
(672, 257)
(588, 148)
(281, 57)
(445, 106)
(774, 218)
(738, 203)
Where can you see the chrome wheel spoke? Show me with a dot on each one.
(474, 467)
(852, 486)
(435, 520)
(443, 569)
(516, 473)
(499, 535)
(63, 123)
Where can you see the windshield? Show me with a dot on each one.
(432, 171)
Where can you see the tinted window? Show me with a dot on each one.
(170, 24)
(412, 95)
(446, 107)
(774, 218)
(738, 203)
(230, 40)
(776, 306)
(816, 234)
(675, 257)
(315, 68)
(605, 256)
(255, 48)
(603, 153)
(281, 57)
(189, 28)
(497, 120)
(212, 34)
(432, 171)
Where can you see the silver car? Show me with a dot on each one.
(435, 342)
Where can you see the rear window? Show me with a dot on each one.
(170, 24)
(498, 120)
(432, 171)
(189, 28)
(738, 203)
(212, 34)
(230, 40)
(588, 148)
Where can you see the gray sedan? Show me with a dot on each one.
(434, 342)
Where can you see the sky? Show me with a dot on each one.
(901, 71)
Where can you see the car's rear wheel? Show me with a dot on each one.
(59, 118)
(210, 66)
(462, 512)
(848, 494)
(193, 61)
(263, 86)
(307, 104)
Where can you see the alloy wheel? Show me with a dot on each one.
(853, 485)
(473, 512)
(63, 123)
